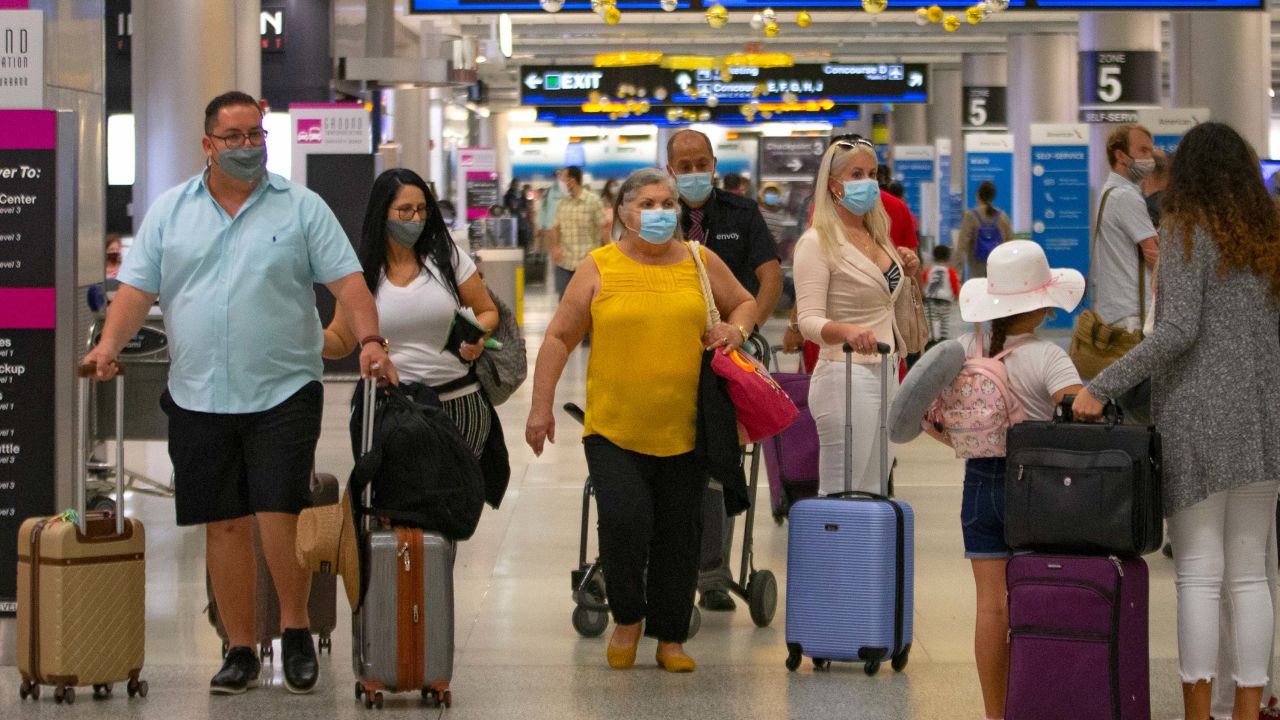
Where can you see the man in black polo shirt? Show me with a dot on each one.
(732, 227)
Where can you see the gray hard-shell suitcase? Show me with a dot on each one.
(402, 633)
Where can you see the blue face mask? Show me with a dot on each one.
(694, 187)
(860, 195)
(771, 198)
(657, 225)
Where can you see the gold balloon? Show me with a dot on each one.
(935, 14)
(717, 16)
(771, 29)
(612, 15)
(951, 23)
(973, 15)
(804, 19)
(875, 7)
(922, 17)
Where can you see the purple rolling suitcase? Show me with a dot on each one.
(851, 566)
(1077, 638)
(791, 456)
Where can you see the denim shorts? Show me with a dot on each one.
(982, 510)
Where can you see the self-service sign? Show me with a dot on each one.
(28, 320)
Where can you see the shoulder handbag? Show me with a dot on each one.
(1095, 344)
(502, 371)
(908, 316)
(762, 407)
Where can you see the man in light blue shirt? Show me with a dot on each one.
(232, 255)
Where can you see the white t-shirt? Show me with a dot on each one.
(1037, 369)
(1125, 223)
(416, 320)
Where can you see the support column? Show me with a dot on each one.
(945, 104)
(1115, 31)
(411, 129)
(910, 124)
(501, 144)
(1042, 89)
(249, 47)
(1231, 78)
(185, 53)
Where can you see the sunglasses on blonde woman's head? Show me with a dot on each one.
(852, 144)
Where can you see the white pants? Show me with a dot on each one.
(1224, 694)
(827, 403)
(1220, 547)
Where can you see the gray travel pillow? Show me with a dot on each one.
(934, 371)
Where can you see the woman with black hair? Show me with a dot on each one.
(419, 280)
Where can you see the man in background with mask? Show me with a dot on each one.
(732, 227)
(1126, 239)
(233, 254)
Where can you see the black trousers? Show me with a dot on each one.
(650, 530)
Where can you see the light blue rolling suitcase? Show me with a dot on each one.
(851, 565)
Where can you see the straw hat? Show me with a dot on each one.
(327, 544)
(1019, 280)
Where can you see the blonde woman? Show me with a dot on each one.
(848, 275)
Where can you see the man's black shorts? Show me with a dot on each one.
(227, 466)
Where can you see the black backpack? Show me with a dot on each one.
(423, 473)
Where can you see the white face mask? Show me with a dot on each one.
(1142, 168)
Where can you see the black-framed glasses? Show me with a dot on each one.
(236, 139)
(407, 212)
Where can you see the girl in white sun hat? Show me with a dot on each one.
(1016, 296)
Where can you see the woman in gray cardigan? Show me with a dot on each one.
(1214, 361)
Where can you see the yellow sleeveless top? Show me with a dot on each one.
(646, 352)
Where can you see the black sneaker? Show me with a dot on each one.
(239, 672)
(717, 601)
(299, 654)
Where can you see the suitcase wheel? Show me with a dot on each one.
(138, 688)
(325, 644)
(359, 691)
(226, 646)
(372, 700)
(29, 690)
(871, 668)
(266, 651)
(762, 597)
(64, 693)
(436, 698)
(899, 662)
(793, 659)
(821, 664)
(101, 691)
(589, 623)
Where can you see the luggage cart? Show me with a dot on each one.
(147, 357)
(759, 588)
(591, 604)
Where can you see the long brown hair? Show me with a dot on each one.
(1215, 184)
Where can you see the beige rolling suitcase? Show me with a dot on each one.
(81, 588)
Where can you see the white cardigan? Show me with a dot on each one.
(846, 289)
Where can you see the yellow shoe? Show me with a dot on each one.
(676, 663)
(622, 658)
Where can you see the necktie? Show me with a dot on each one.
(696, 232)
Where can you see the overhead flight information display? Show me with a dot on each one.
(838, 83)
(517, 6)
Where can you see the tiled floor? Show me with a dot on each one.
(517, 654)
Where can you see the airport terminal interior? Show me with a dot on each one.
(489, 101)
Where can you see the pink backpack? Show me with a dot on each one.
(977, 408)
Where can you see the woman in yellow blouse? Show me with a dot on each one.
(848, 276)
(641, 300)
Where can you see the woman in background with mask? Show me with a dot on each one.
(641, 299)
(848, 276)
(419, 279)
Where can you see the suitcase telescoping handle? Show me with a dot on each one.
(80, 488)
(368, 409)
(884, 350)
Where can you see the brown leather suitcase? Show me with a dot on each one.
(82, 588)
(322, 605)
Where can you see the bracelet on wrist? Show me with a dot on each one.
(386, 346)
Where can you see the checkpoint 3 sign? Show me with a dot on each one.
(547, 85)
